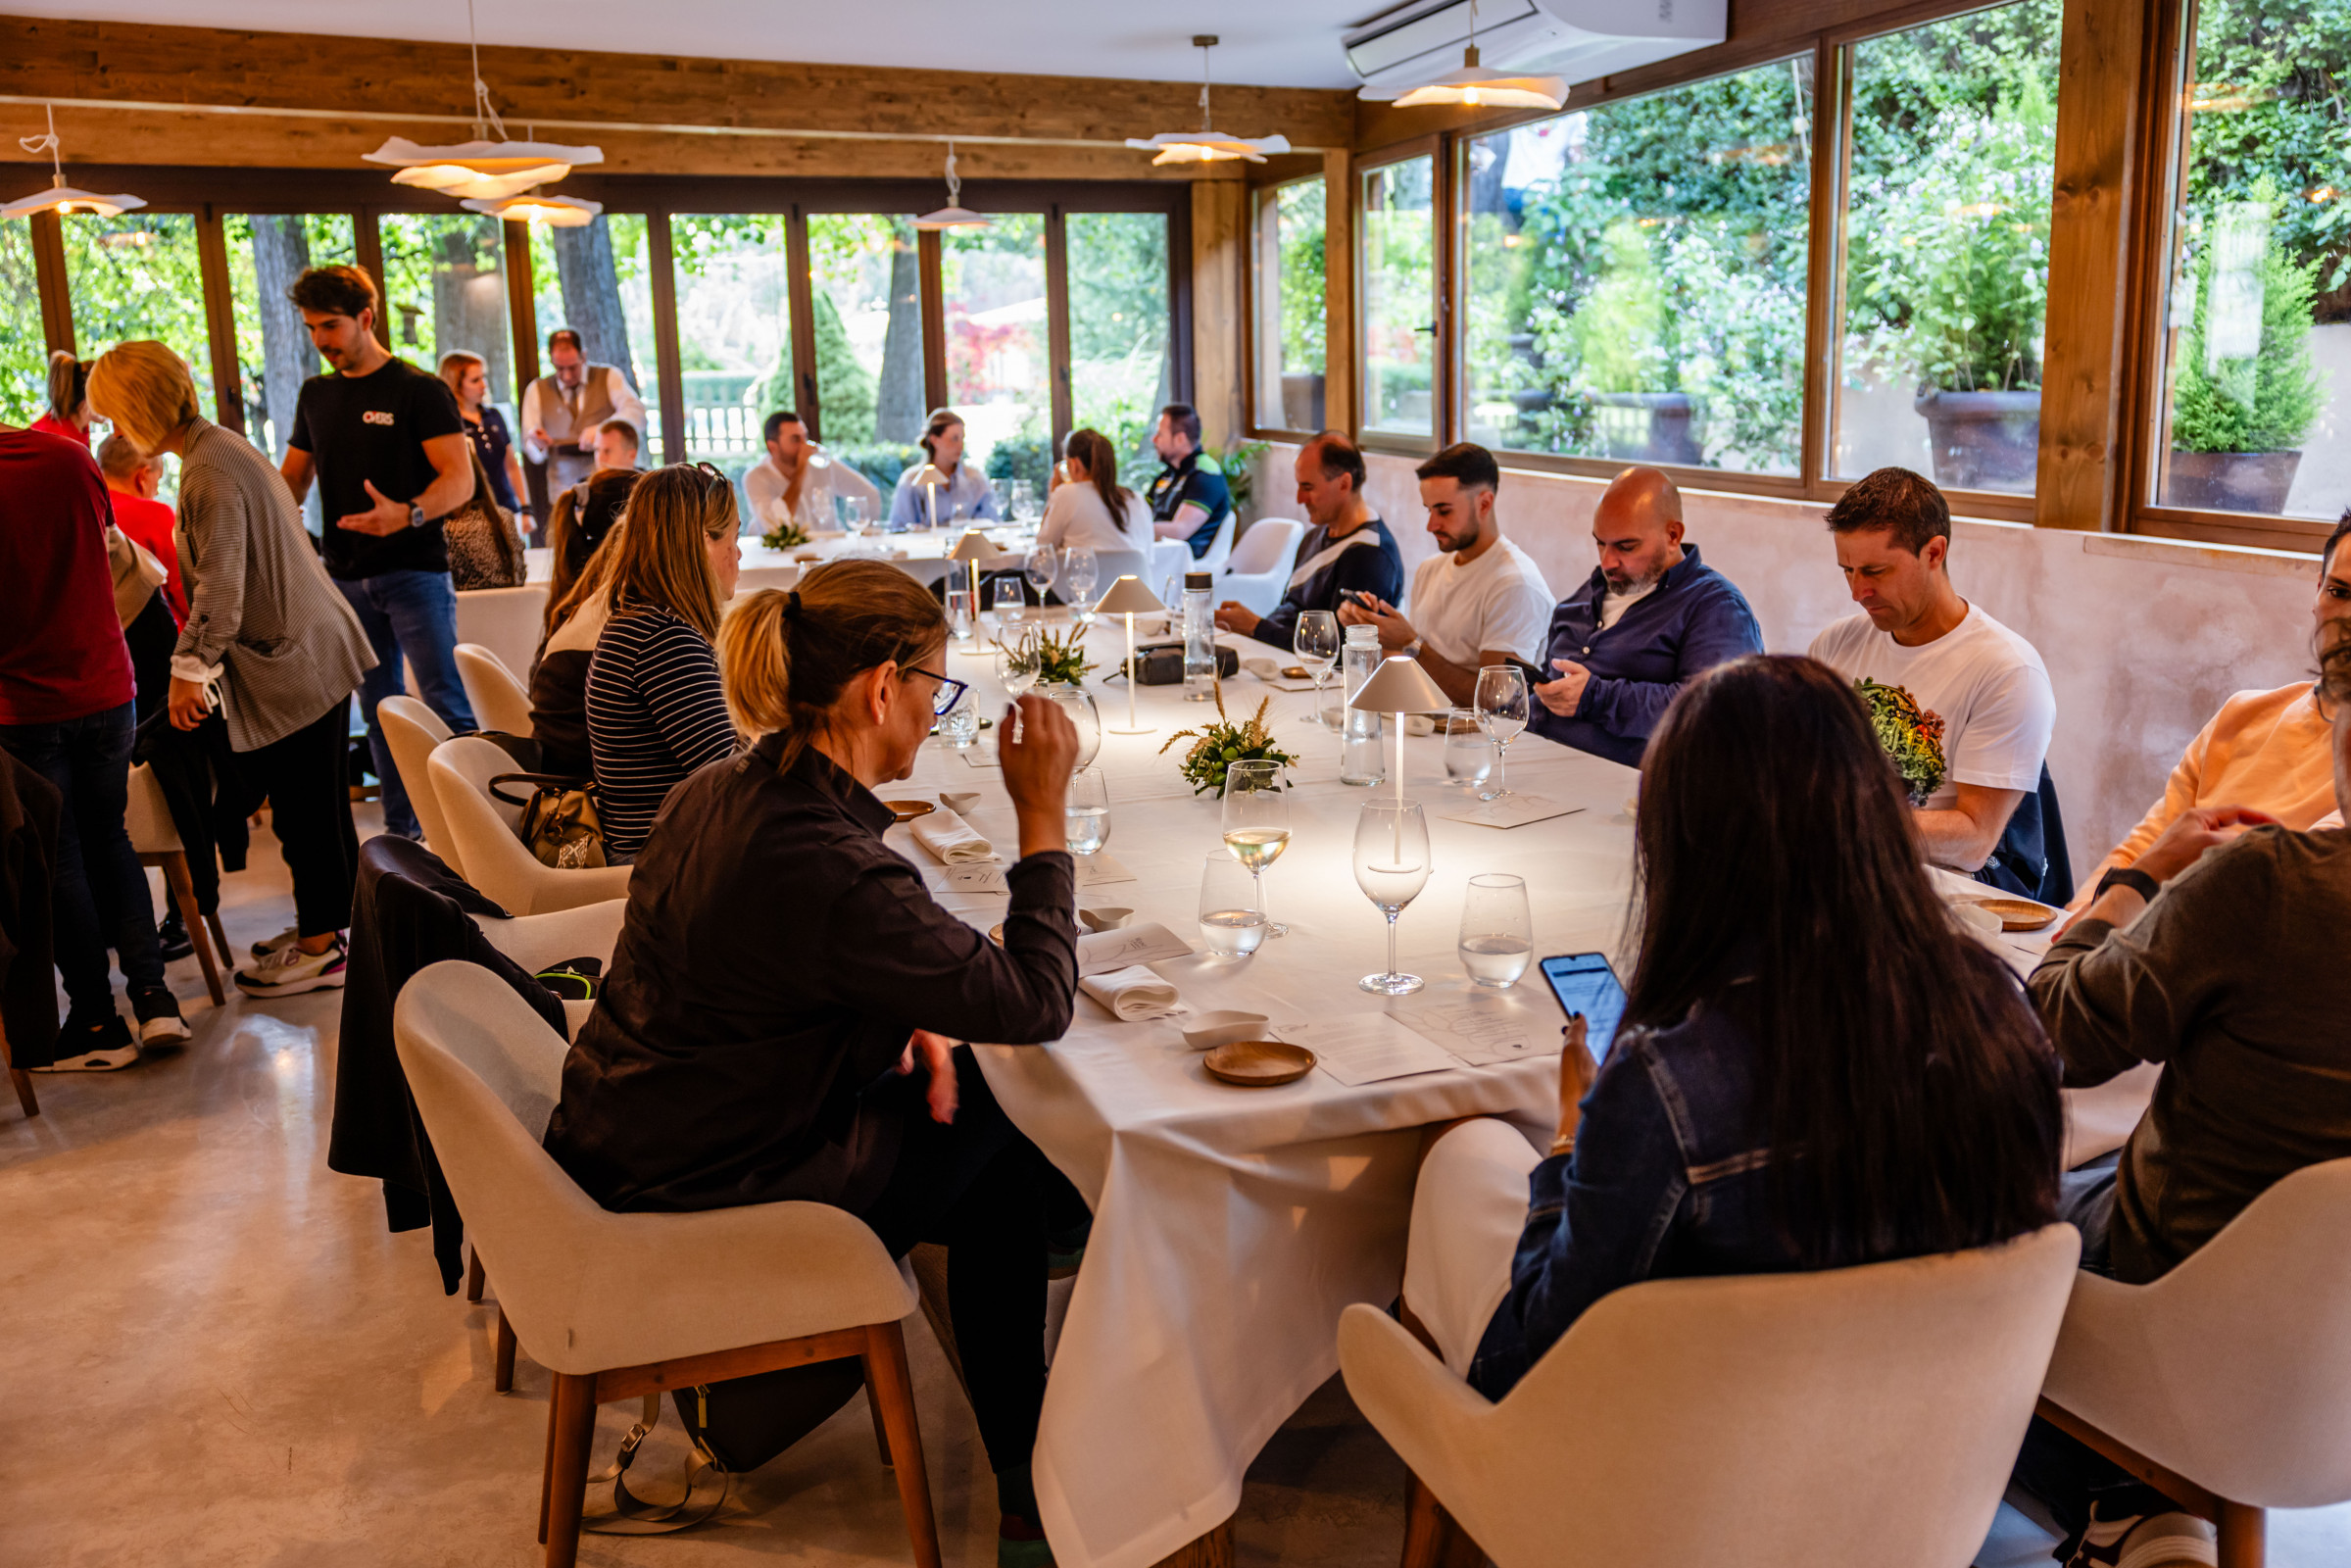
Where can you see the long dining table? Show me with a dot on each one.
(1231, 1225)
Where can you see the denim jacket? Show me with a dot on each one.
(1667, 1179)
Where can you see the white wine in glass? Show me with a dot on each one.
(1502, 700)
(1256, 822)
(1392, 866)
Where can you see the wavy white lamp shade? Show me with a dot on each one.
(553, 212)
(484, 171)
(62, 198)
(1207, 146)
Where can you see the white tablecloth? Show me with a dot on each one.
(1231, 1225)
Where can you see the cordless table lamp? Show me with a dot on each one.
(1400, 686)
(929, 480)
(1129, 598)
(972, 549)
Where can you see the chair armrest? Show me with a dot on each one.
(1422, 1409)
(535, 941)
(557, 890)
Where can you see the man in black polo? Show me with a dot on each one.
(1190, 499)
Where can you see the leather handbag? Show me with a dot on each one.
(485, 548)
(560, 823)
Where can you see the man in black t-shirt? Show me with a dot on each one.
(1191, 497)
(388, 447)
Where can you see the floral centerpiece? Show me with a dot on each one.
(1912, 736)
(786, 535)
(1061, 661)
(1218, 745)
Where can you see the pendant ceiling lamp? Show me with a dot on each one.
(61, 197)
(1476, 87)
(553, 212)
(1207, 146)
(954, 215)
(481, 169)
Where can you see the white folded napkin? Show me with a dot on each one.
(951, 840)
(1132, 994)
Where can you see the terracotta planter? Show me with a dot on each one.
(2230, 481)
(1664, 437)
(1982, 440)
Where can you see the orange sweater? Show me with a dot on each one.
(2270, 751)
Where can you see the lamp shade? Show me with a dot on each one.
(1207, 146)
(1401, 686)
(483, 169)
(555, 212)
(64, 198)
(975, 546)
(929, 474)
(953, 217)
(1128, 597)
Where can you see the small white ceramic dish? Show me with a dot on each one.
(1212, 1029)
(960, 801)
(1105, 917)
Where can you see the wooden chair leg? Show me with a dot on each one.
(220, 945)
(881, 1432)
(183, 894)
(892, 1385)
(547, 1465)
(1433, 1538)
(472, 1273)
(2244, 1536)
(567, 1465)
(25, 1098)
(503, 1378)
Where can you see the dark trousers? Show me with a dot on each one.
(2060, 1470)
(307, 776)
(100, 891)
(151, 636)
(411, 621)
(981, 1188)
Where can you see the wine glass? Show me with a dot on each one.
(1040, 567)
(1392, 867)
(1497, 932)
(1501, 703)
(1011, 601)
(1084, 716)
(1079, 574)
(1468, 749)
(1256, 823)
(1315, 642)
(850, 512)
(1228, 924)
(1016, 665)
(1024, 500)
(1087, 814)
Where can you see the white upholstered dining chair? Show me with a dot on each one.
(412, 730)
(496, 694)
(617, 1305)
(1258, 569)
(2227, 1383)
(1852, 1416)
(489, 853)
(155, 837)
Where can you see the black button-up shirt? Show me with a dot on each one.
(776, 957)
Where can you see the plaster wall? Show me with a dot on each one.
(2144, 637)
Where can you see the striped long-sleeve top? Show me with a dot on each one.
(655, 713)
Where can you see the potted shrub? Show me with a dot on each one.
(2238, 420)
(1954, 268)
(1617, 346)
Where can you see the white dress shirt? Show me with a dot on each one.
(626, 405)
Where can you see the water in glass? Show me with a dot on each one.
(1497, 931)
(1230, 923)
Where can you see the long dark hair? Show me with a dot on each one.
(1907, 1096)
(1093, 449)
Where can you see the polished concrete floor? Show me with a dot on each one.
(219, 1356)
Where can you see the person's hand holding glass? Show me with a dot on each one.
(1017, 662)
(1315, 642)
(1501, 703)
(1256, 823)
(1392, 866)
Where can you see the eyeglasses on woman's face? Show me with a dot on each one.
(951, 690)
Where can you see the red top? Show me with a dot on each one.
(150, 524)
(53, 425)
(61, 654)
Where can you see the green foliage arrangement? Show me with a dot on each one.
(2263, 404)
(1062, 659)
(881, 461)
(1240, 464)
(1022, 457)
(1913, 738)
(785, 536)
(1218, 745)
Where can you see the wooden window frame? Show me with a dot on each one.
(1444, 357)
(1261, 198)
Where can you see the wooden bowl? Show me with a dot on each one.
(1258, 1064)
(908, 811)
(2018, 914)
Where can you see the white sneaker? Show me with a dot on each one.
(2151, 1541)
(283, 939)
(163, 1032)
(290, 971)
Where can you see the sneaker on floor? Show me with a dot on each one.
(283, 939)
(290, 971)
(102, 1047)
(2150, 1541)
(1021, 1543)
(160, 1027)
(171, 938)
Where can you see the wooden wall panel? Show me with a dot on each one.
(1219, 252)
(1338, 291)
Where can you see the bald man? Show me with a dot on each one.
(1652, 618)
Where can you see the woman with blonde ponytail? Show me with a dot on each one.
(782, 969)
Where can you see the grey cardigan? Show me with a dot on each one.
(260, 607)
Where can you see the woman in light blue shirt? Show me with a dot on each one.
(966, 497)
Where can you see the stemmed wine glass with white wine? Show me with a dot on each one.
(1256, 823)
(1315, 642)
(1501, 703)
(1392, 866)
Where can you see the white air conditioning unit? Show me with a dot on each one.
(1580, 40)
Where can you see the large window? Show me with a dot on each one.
(1399, 298)
(1632, 276)
(1287, 287)
(266, 251)
(2255, 408)
(1121, 367)
(445, 289)
(24, 351)
(865, 282)
(137, 277)
(734, 333)
(596, 279)
(993, 283)
(1947, 249)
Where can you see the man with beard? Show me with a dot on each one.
(1651, 619)
(1478, 600)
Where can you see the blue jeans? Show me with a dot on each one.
(100, 891)
(410, 615)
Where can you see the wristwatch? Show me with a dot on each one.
(1413, 649)
(416, 516)
(2132, 877)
